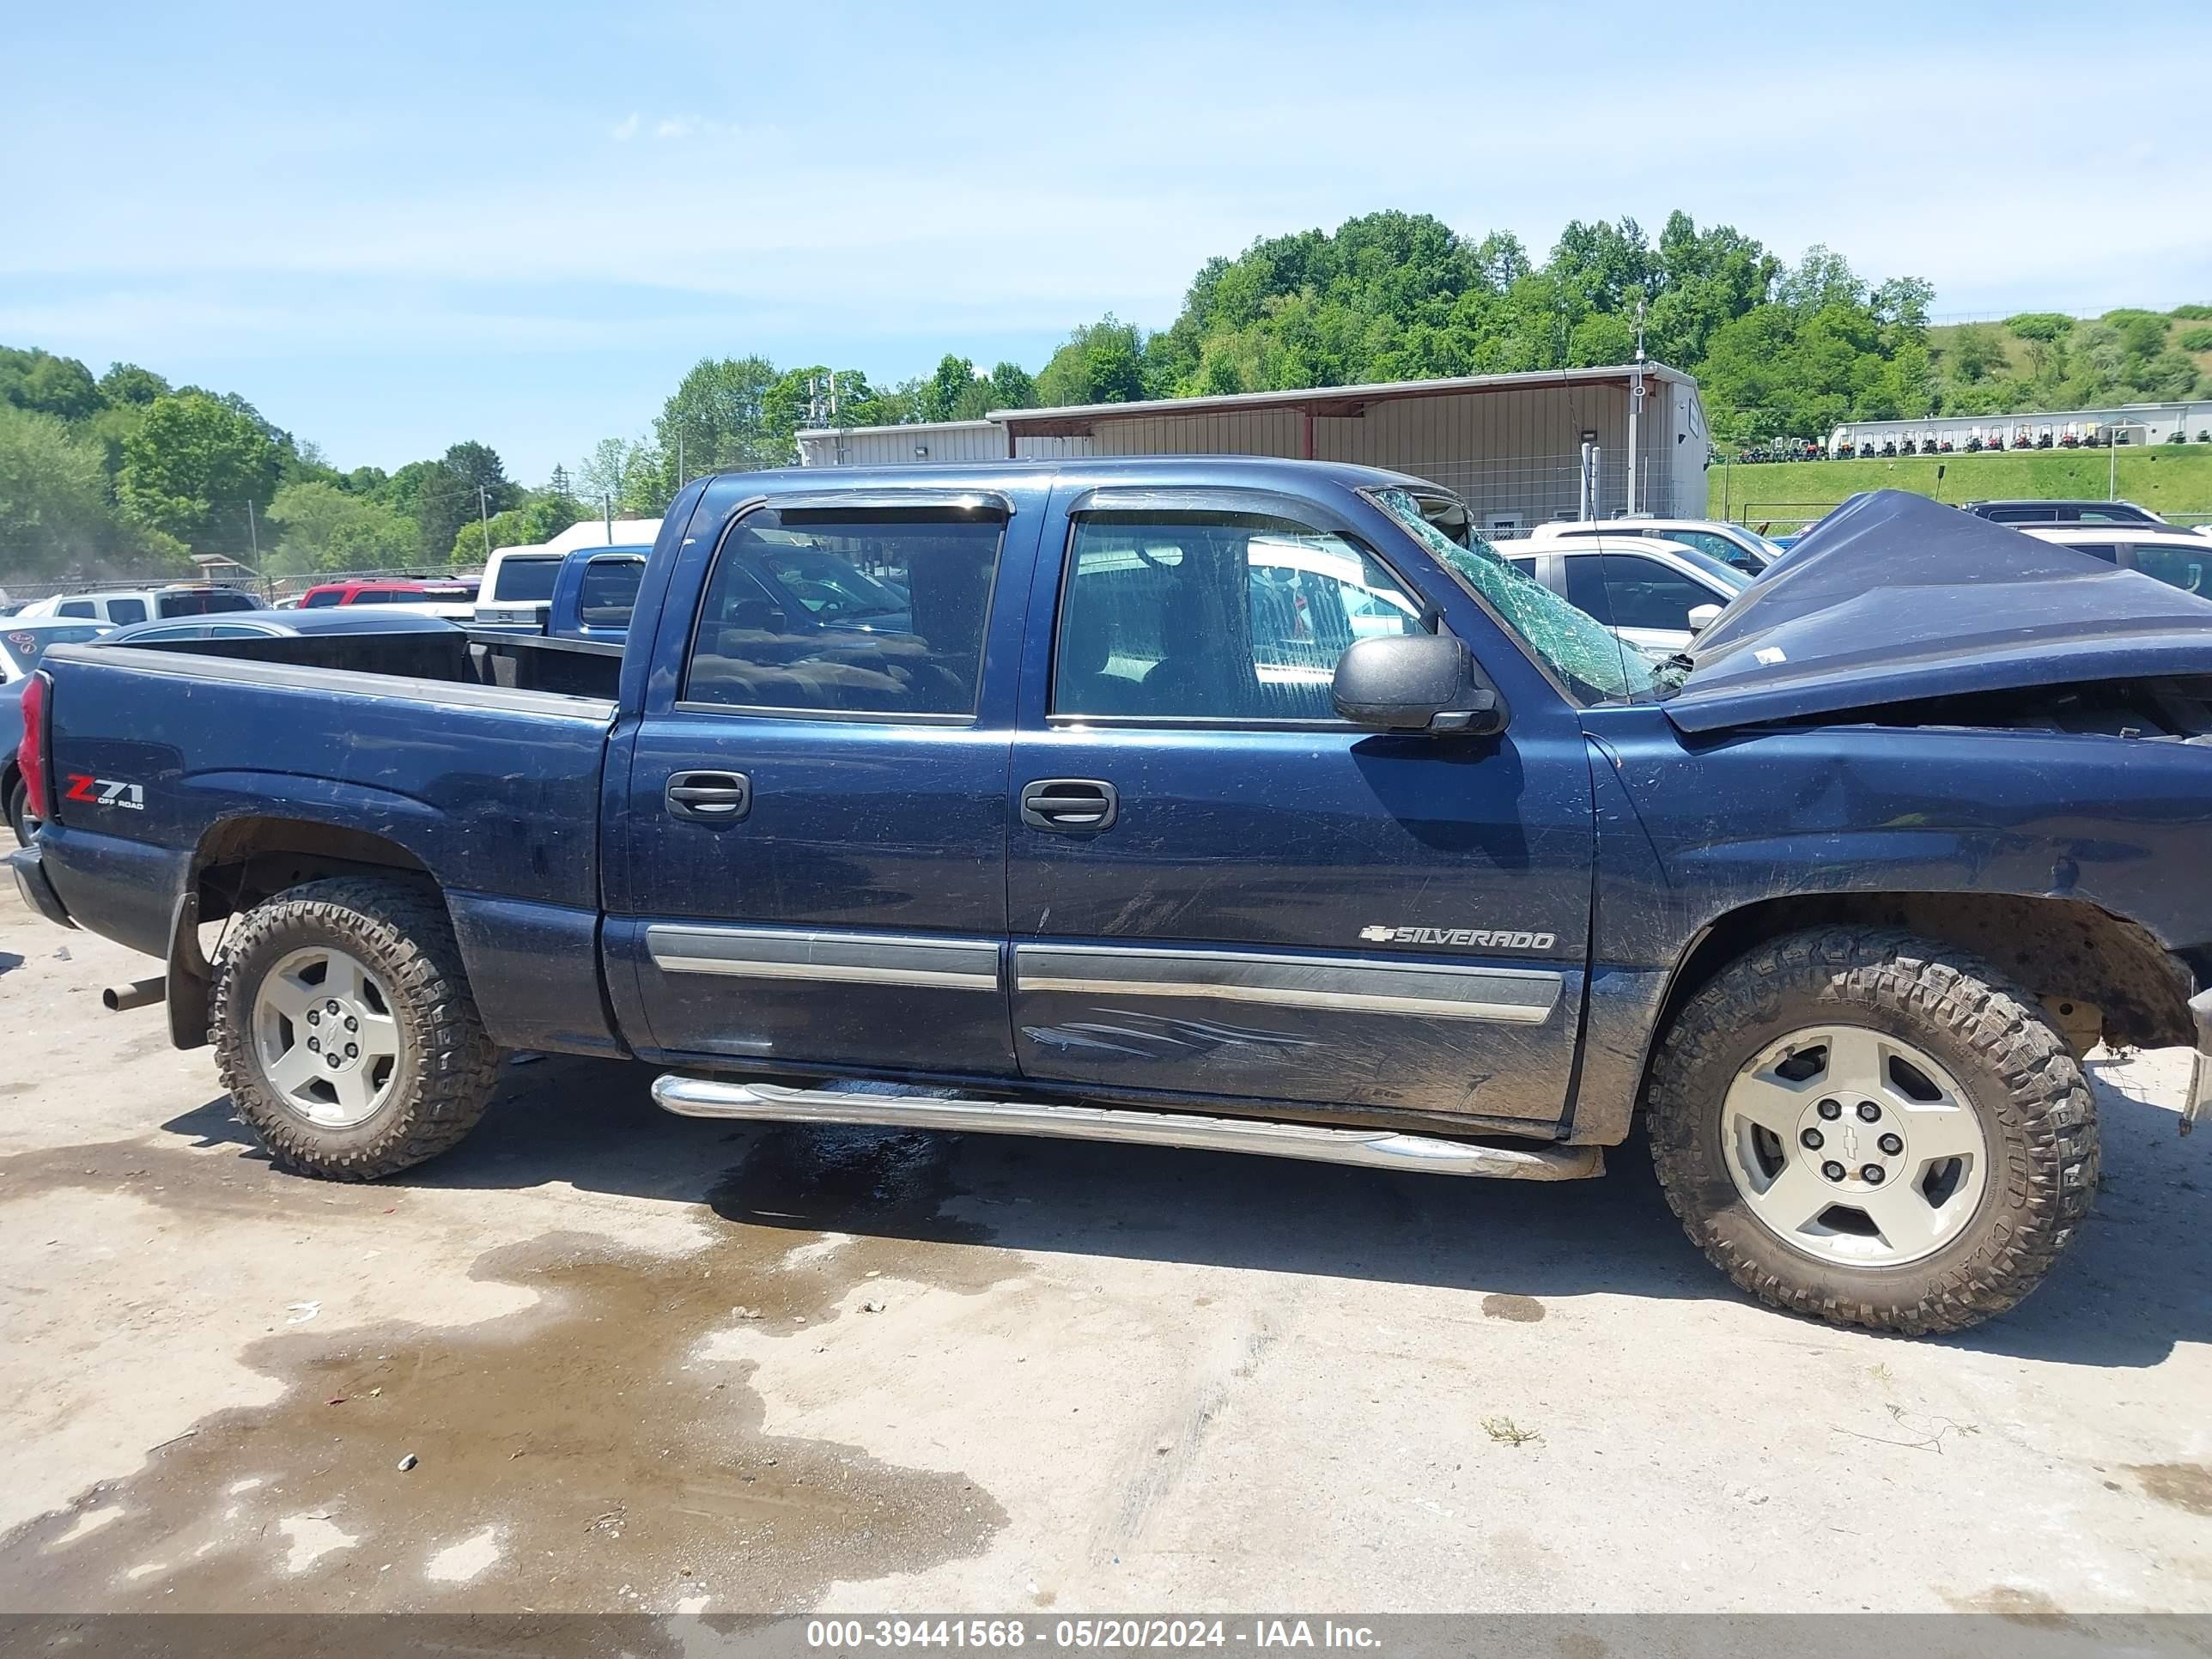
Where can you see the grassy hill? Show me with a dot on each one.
(2018, 354)
(2173, 479)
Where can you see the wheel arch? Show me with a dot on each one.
(242, 860)
(2099, 975)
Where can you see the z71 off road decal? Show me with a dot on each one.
(1494, 939)
(107, 791)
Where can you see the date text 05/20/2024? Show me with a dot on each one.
(850, 1635)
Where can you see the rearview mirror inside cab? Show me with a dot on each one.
(1416, 683)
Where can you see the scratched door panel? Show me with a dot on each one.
(1322, 916)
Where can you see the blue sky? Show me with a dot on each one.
(396, 226)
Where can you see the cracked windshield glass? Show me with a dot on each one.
(1586, 654)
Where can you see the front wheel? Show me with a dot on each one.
(1874, 1129)
(345, 1031)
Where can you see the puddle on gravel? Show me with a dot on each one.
(567, 1456)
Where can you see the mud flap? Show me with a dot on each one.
(190, 977)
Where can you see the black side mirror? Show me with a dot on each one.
(1417, 683)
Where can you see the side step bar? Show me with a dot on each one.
(1375, 1148)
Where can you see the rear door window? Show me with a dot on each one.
(321, 598)
(1217, 617)
(75, 608)
(526, 581)
(122, 613)
(2176, 566)
(1586, 586)
(848, 611)
(1714, 545)
(1647, 594)
(205, 602)
(607, 592)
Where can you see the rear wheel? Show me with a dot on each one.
(345, 1031)
(19, 811)
(1874, 1129)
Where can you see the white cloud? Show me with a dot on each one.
(624, 130)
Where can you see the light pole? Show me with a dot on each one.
(2112, 456)
(483, 517)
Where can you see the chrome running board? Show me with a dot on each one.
(1375, 1149)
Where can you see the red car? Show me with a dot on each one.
(436, 599)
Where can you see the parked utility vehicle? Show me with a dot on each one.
(1221, 803)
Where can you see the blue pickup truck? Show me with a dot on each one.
(1235, 803)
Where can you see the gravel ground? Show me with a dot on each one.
(631, 1362)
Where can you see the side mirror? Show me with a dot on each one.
(1416, 683)
(1702, 616)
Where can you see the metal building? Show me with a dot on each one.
(1512, 445)
(2063, 428)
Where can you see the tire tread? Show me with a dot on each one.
(2048, 1112)
(404, 931)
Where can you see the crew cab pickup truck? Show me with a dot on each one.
(1233, 803)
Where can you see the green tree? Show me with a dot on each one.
(1011, 387)
(320, 527)
(628, 477)
(948, 389)
(1976, 351)
(1101, 363)
(53, 494)
(541, 516)
(192, 467)
(55, 518)
(127, 383)
(47, 384)
(467, 482)
(719, 409)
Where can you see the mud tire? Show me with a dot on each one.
(447, 1064)
(2037, 1113)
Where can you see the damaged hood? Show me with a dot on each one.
(1893, 597)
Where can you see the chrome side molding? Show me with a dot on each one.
(1375, 1149)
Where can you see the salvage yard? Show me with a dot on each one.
(600, 1358)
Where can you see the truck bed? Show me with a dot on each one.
(410, 739)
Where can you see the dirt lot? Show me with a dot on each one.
(643, 1363)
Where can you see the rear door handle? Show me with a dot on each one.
(709, 797)
(1070, 804)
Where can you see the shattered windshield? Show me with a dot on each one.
(1581, 650)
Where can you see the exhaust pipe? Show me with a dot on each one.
(120, 999)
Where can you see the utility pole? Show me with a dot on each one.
(607, 506)
(1635, 414)
(253, 536)
(483, 517)
(679, 453)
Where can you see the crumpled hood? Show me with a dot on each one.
(1893, 597)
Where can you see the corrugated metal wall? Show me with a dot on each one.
(945, 440)
(1515, 453)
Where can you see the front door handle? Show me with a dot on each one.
(709, 797)
(1070, 804)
